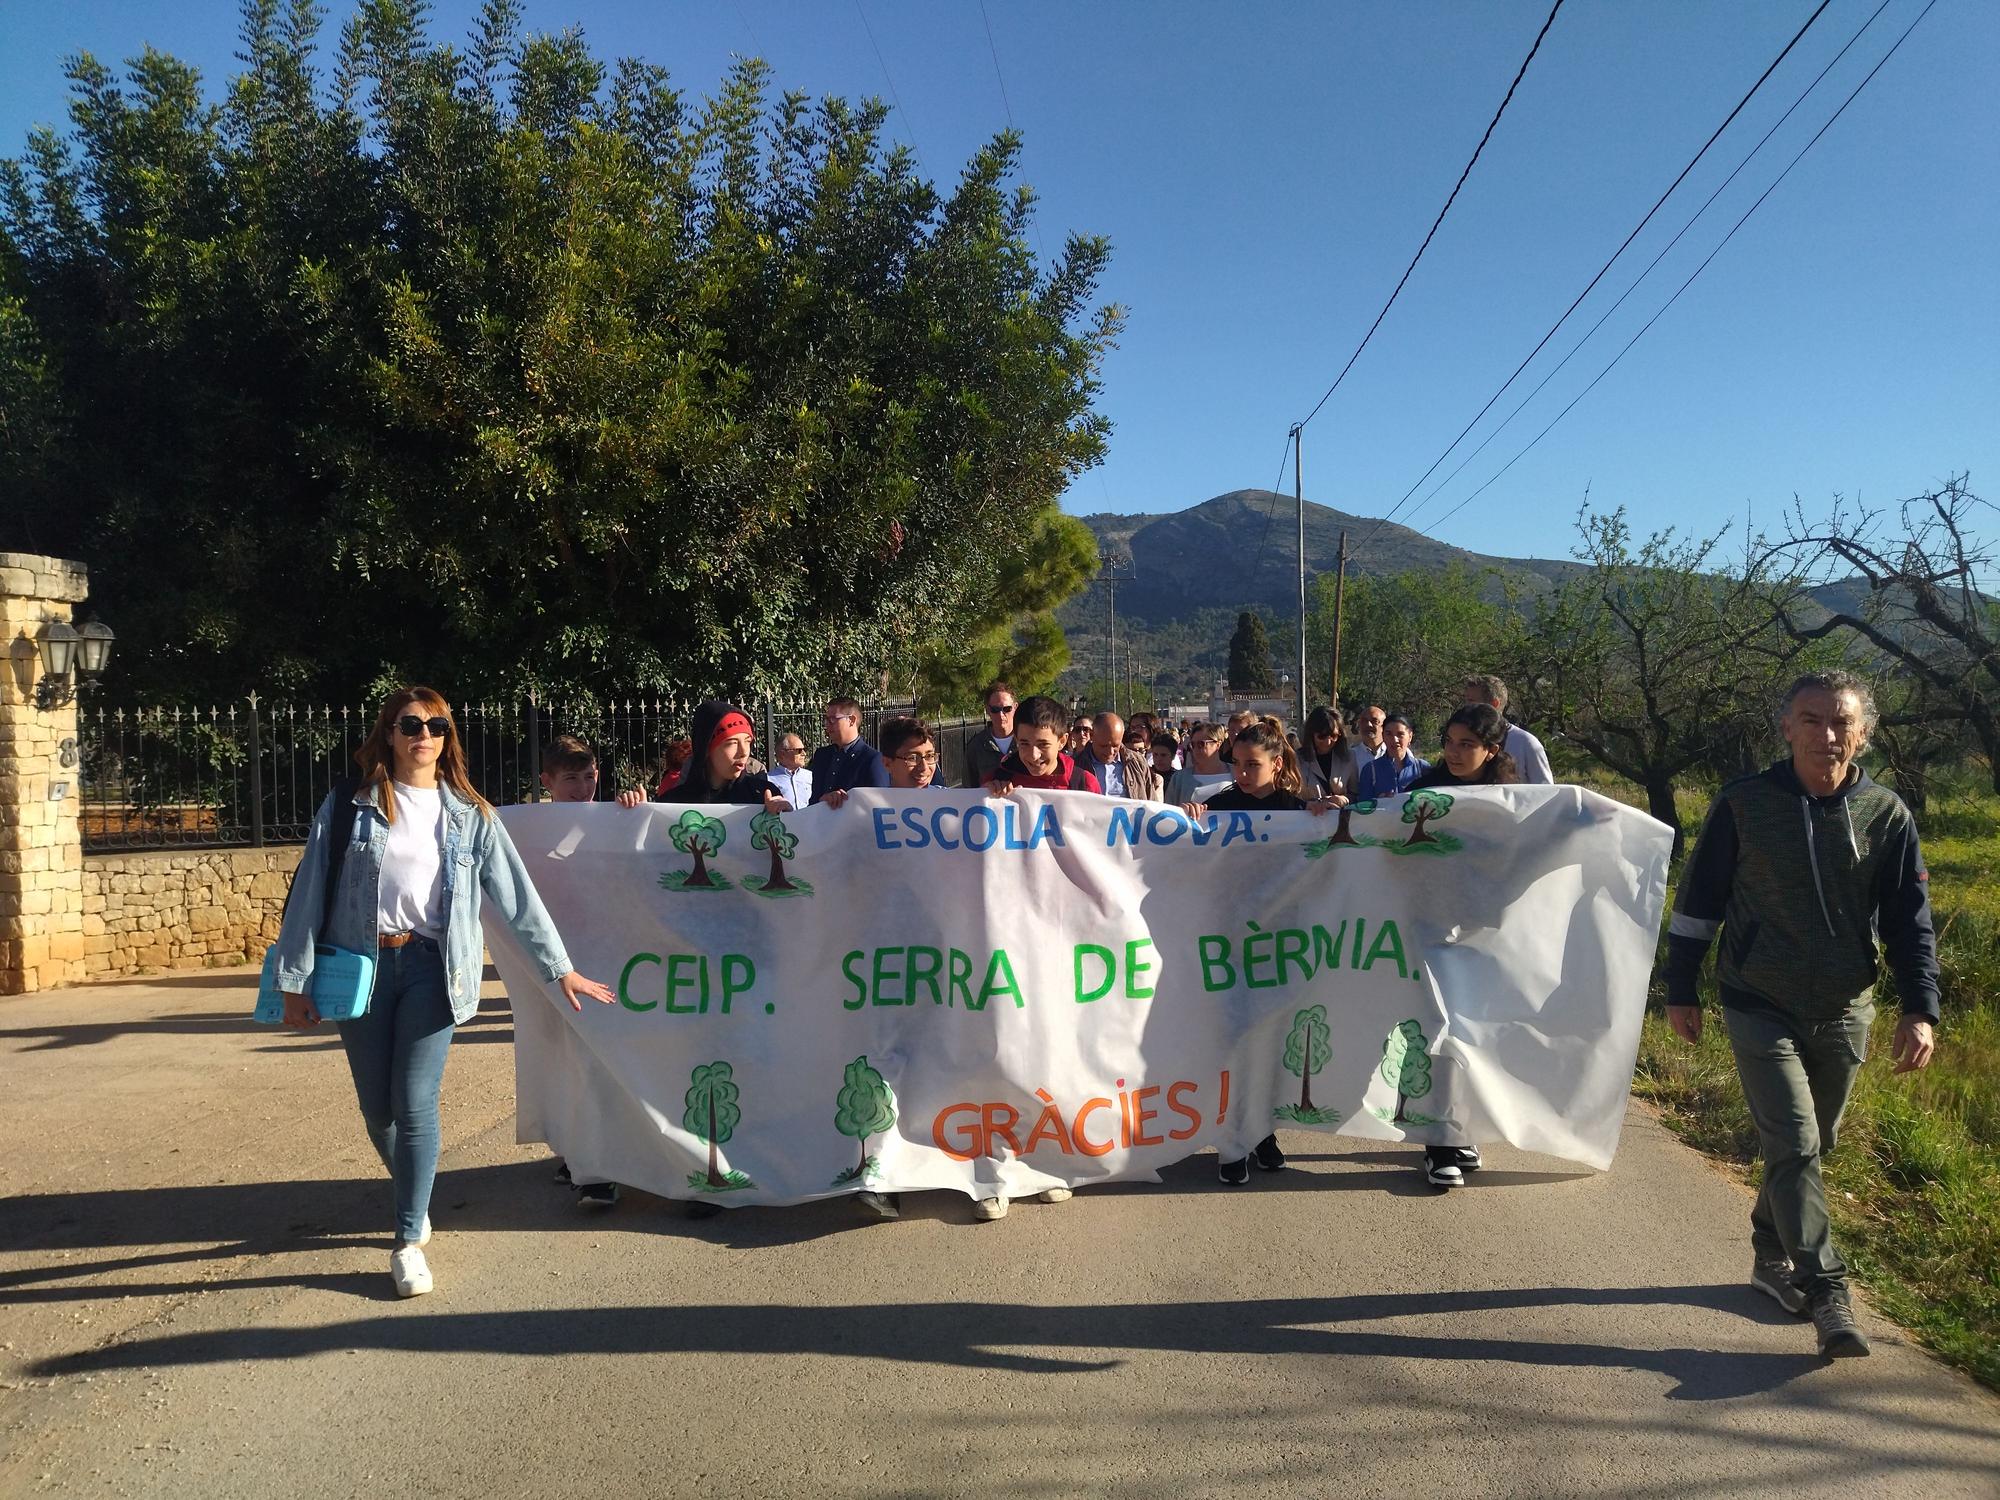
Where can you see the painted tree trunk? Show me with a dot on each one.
(864, 1157)
(700, 876)
(1306, 1083)
(715, 1178)
(1417, 834)
(777, 882)
(1402, 1103)
(1343, 834)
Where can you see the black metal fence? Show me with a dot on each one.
(254, 773)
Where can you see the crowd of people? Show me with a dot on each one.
(1802, 869)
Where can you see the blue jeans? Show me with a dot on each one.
(397, 1054)
(1796, 1078)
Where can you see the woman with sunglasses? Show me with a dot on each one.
(424, 850)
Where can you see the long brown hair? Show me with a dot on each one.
(1268, 735)
(377, 756)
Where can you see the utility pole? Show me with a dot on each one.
(1339, 599)
(1299, 495)
(1111, 581)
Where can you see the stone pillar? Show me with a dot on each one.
(41, 848)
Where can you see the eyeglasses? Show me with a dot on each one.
(413, 727)
(999, 708)
(919, 758)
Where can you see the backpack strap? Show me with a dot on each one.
(1077, 783)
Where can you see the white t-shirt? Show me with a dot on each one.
(412, 894)
(1004, 743)
(1530, 759)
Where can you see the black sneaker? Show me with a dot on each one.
(1833, 1320)
(562, 1172)
(597, 1195)
(1773, 1277)
(1236, 1172)
(1468, 1158)
(1267, 1155)
(1441, 1168)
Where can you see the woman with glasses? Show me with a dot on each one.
(425, 848)
(986, 749)
(1204, 767)
(1328, 761)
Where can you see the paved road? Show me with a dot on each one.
(192, 1271)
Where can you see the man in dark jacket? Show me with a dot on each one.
(1799, 867)
(986, 749)
(846, 761)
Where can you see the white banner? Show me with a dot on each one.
(946, 990)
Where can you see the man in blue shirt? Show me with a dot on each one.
(1395, 768)
(846, 760)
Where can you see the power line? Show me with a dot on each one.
(1697, 270)
(1600, 273)
(1577, 347)
(996, 64)
(908, 129)
(1490, 124)
(1271, 511)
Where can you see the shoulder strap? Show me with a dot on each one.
(339, 834)
(1077, 778)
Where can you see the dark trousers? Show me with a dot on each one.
(1796, 1076)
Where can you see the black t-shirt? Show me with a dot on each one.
(1235, 799)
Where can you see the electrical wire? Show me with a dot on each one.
(1009, 108)
(1577, 347)
(1557, 325)
(1519, 74)
(1270, 514)
(894, 98)
(1697, 270)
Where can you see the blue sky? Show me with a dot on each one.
(1265, 172)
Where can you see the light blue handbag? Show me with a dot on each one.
(342, 980)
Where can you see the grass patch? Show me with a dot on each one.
(1914, 1184)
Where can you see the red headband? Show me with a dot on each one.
(732, 723)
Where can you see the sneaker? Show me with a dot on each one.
(1833, 1320)
(1055, 1195)
(409, 1271)
(1236, 1172)
(424, 1233)
(1468, 1158)
(1441, 1168)
(1774, 1279)
(1267, 1155)
(882, 1205)
(990, 1209)
(562, 1172)
(597, 1195)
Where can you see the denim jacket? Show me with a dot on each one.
(477, 857)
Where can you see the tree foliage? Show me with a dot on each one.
(1408, 640)
(1250, 656)
(1406, 1063)
(1307, 1046)
(502, 364)
(866, 1105)
(1657, 661)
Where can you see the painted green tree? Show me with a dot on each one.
(1344, 833)
(1420, 808)
(700, 835)
(712, 1115)
(865, 1106)
(1406, 1064)
(1306, 1051)
(768, 831)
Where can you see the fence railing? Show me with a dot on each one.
(254, 772)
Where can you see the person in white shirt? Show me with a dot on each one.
(1530, 759)
(1368, 728)
(789, 777)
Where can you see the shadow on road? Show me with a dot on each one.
(1001, 1336)
(487, 1026)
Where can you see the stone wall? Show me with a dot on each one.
(182, 908)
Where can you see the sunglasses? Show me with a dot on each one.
(412, 726)
(999, 708)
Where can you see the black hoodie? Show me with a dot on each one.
(695, 785)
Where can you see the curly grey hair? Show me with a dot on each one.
(1835, 682)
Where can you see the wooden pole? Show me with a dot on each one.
(1339, 600)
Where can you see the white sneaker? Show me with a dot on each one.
(990, 1208)
(410, 1272)
(1055, 1195)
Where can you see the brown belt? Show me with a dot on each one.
(395, 939)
